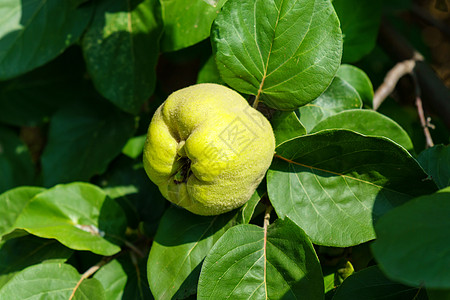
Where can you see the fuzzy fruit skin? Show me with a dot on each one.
(228, 144)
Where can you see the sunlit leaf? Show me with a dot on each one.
(286, 52)
(336, 183)
(249, 262)
(79, 215)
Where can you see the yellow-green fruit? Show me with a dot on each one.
(207, 150)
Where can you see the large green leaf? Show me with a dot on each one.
(436, 162)
(367, 122)
(287, 52)
(358, 80)
(339, 96)
(29, 100)
(79, 215)
(33, 32)
(12, 203)
(412, 243)
(18, 253)
(336, 183)
(187, 22)
(15, 161)
(286, 126)
(51, 281)
(249, 262)
(359, 22)
(121, 48)
(371, 284)
(83, 139)
(180, 245)
(123, 279)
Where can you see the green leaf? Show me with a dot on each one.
(121, 50)
(250, 263)
(209, 73)
(78, 215)
(187, 22)
(180, 245)
(339, 96)
(286, 126)
(371, 284)
(12, 203)
(133, 148)
(416, 232)
(30, 99)
(335, 184)
(51, 281)
(18, 253)
(123, 279)
(288, 57)
(436, 162)
(15, 161)
(83, 139)
(33, 32)
(359, 81)
(367, 122)
(245, 213)
(359, 22)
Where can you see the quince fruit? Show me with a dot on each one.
(207, 150)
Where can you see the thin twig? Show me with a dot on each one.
(89, 272)
(434, 93)
(390, 81)
(134, 248)
(420, 112)
(266, 226)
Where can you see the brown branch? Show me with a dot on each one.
(390, 81)
(433, 91)
(88, 273)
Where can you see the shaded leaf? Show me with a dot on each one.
(122, 279)
(29, 100)
(359, 22)
(416, 232)
(367, 122)
(18, 253)
(335, 184)
(250, 263)
(78, 215)
(286, 126)
(16, 167)
(339, 96)
(180, 245)
(82, 140)
(51, 281)
(288, 57)
(436, 162)
(187, 22)
(12, 203)
(33, 32)
(121, 48)
(371, 284)
(359, 81)
(128, 184)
